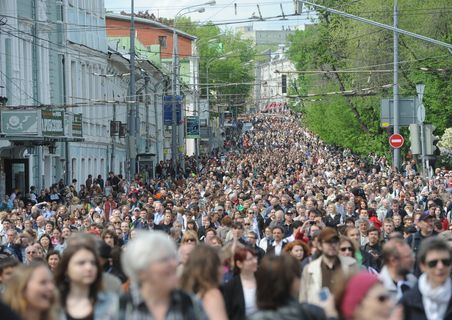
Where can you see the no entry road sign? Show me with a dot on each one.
(396, 140)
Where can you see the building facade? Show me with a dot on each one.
(274, 78)
(64, 88)
(154, 41)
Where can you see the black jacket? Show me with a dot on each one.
(414, 241)
(234, 299)
(414, 308)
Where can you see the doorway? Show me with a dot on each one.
(16, 175)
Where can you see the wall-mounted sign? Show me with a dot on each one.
(168, 110)
(192, 127)
(52, 123)
(77, 125)
(20, 123)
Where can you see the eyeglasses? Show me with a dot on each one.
(246, 224)
(434, 263)
(347, 249)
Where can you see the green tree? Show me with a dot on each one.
(228, 60)
(335, 43)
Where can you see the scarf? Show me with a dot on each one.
(435, 300)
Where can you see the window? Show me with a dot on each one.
(162, 41)
(284, 83)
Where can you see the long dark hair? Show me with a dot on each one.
(50, 247)
(274, 278)
(201, 270)
(61, 278)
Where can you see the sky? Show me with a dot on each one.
(224, 12)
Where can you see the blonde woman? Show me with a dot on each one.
(31, 292)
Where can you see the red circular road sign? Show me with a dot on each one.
(396, 140)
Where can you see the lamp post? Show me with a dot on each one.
(133, 114)
(175, 78)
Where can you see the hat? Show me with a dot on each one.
(217, 208)
(328, 234)
(355, 291)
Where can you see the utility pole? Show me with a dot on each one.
(174, 133)
(147, 103)
(157, 131)
(113, 142)
(132, 105)
(396, 156)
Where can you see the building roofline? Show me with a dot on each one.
(150, 23)
(126, 57)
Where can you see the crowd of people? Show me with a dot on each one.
(278, 226)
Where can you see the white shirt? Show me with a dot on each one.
(250, 301)
(278, 248)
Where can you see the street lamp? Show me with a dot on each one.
(175, 74)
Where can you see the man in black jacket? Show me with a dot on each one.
(425, 226)
(252, 239)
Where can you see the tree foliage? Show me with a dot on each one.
(228, 60)
(336, 43)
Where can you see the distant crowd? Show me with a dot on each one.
(279, 225)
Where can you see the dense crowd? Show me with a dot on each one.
(278, 225)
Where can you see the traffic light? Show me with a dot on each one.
(430, 139)
(415, 139)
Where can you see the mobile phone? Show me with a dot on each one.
(324, 294)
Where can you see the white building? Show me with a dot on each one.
(274, 77)
(64, 87)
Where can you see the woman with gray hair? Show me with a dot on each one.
(150, 262)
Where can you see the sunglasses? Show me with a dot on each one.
(347, 249)
(434, 263)
(190, 240)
